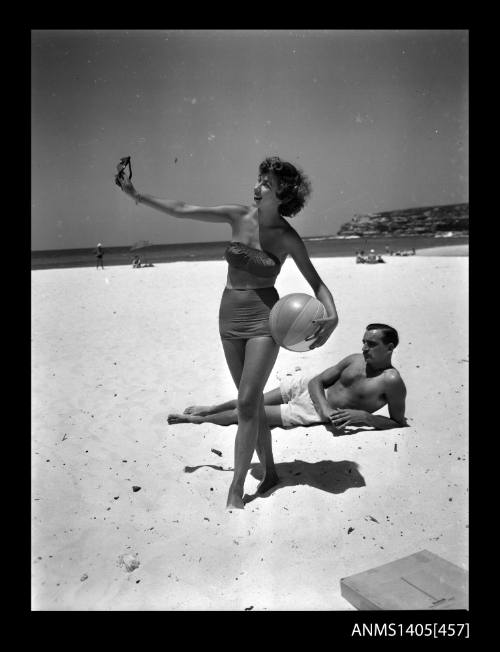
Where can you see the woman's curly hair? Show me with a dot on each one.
(294, 186)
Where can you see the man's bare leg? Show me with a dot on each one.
(205, 410)
(226, 418)
(272, 397)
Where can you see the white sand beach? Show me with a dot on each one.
(115, 351)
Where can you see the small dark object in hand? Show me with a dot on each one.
(121, 167)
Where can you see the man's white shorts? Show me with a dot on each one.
(298, 408)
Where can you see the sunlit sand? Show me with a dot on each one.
(115, 352)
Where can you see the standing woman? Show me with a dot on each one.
(261, 240)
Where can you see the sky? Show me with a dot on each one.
(377, 119)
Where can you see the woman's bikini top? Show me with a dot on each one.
(253, 261)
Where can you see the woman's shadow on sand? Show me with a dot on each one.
(326, 475)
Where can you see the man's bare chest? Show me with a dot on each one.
(359, 385)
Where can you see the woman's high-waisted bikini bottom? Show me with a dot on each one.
(245, 313)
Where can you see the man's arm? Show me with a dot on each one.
(322, 381)
(395, 392)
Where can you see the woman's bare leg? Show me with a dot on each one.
(259, 357)
(264, 450)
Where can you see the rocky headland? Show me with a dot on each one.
(449, 220)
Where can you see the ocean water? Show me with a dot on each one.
(318, 247)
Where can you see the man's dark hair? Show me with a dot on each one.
(294, 186)
(389, 334)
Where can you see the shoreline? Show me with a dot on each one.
(317, 250)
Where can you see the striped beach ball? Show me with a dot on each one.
(291, 320)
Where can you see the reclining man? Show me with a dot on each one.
(346, 394)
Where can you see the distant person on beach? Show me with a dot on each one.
(370, 259)
(136, 261)
(261, 239)
(346, 394)
(99, 253)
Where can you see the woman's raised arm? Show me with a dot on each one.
(180, 209)
(225, 213)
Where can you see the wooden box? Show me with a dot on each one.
(420, 581)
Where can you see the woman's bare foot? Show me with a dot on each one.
(183, 418)
(198, 410)
(269, 482)
(235, 500)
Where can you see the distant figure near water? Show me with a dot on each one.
(99, 256)
(409, 252)
(370, 259)
(137, 263)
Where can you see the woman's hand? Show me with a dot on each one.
(124, 182)
(326, 328)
